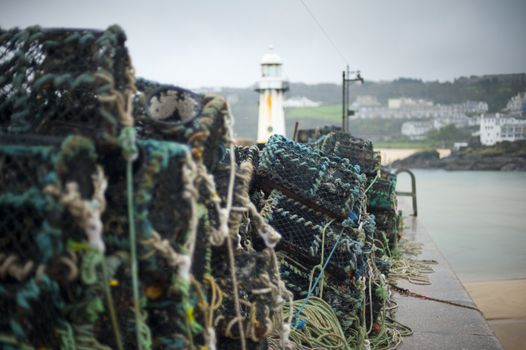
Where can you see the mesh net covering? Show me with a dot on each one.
(381, 184)
(172, 113)
(382, 192)
(382, 202)
(41, 273)
(258, 278)
(330, 183)
(59, 81)
(358, 151)
(47, 219)
(311, 135)
(304, 230)
(312, 226)
(323, 232)
(128, 219)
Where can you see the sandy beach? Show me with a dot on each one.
(389, 155)
(504, 306)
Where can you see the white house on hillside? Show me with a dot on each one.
(517, 104)
(301, 101)
(497, 128)
(416, 130)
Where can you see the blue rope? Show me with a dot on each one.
(301, 323)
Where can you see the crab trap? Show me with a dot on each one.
(51, 197)
(310, 136)
(165, 223)
(259, 294)
(381, 184)
(172, 113)
(331, 184)
(382, 192)
(388, 224)
(64, 81)
(358, 151)
(316, 246)
(308, 235)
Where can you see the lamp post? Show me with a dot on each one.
(346, 74)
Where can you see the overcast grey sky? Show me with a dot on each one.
(196, 43)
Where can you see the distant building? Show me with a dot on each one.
(460, 121)
(302, 101)
(417, 130)
(497, 128)
(472, 107)
(403, 102)
(517, 104)
(406, 108)
(458, 145)
(366, 101)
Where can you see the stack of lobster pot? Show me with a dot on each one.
(317, 203)
(381, 184)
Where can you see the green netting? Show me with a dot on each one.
(164, 229)
(358, 151)
(381, 184)
(304, 231)
(50, 243)
(382, 192)
(63, 81)
(258, 289)
(333, 184)
(388, 227)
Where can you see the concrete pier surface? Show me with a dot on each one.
(438, 325)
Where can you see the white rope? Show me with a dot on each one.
(87, 213)
(228, 122)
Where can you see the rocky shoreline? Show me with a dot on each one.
(463, 161)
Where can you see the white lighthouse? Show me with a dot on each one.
(271, 87)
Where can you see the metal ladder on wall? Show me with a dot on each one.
(413, 188)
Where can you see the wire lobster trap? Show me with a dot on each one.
(347, 299)
(260, 298)
(382, 192)
(330, 184)
(308, 236)
(168, 112)
(70, 274)
(165, 222)
(260, 291)
(50, 218)
(381, 184)
(310, 136)
(64, 81)
(358, 151)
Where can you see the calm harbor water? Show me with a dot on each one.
(478, 220)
